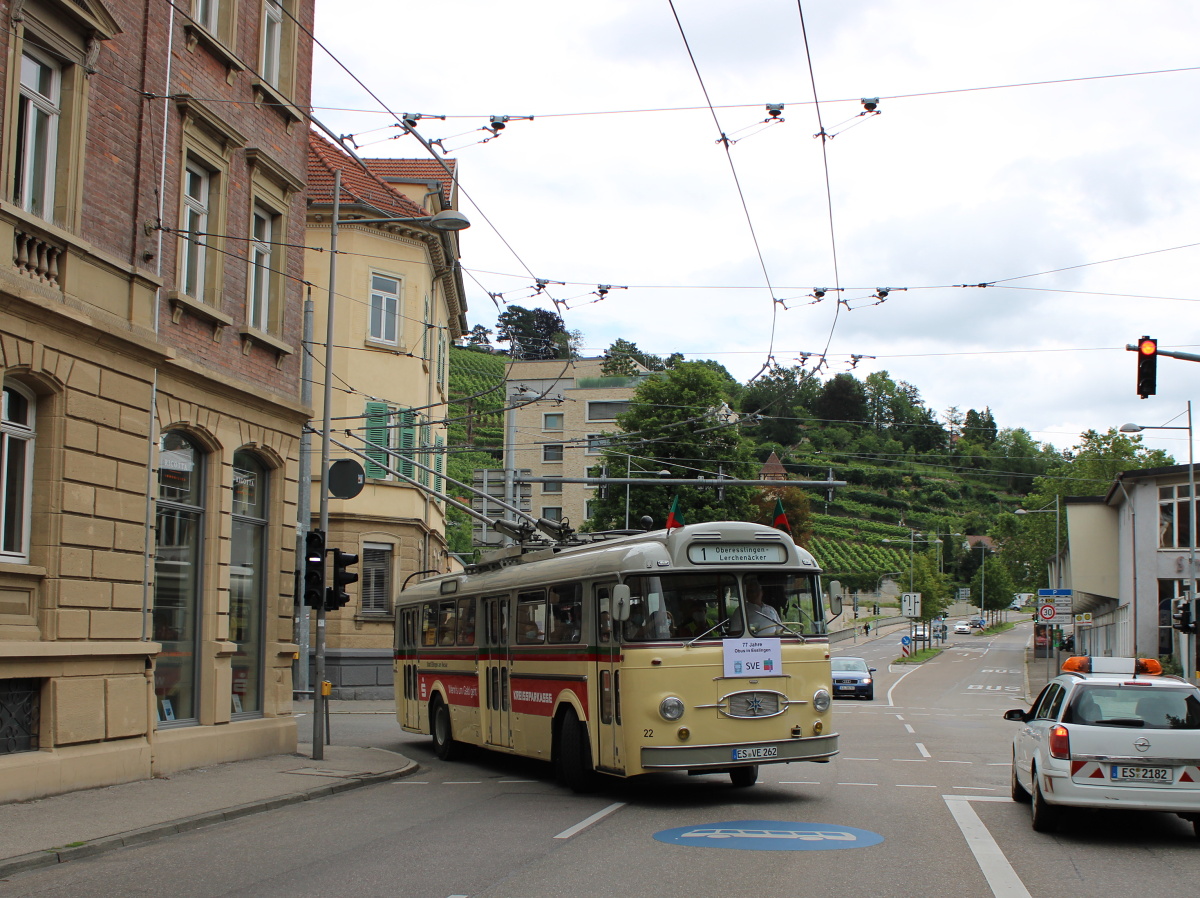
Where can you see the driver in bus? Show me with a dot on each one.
(763, 619)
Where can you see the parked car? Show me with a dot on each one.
(920, 634)
(1109, 733)
(978, 623)
(852, 678)
(963, 626)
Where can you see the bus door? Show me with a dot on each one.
(410, 704)
(608, 680)
(494, 673)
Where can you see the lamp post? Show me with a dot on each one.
(1138, 428)
(1057, 530)
(448, 220)
(912, 541)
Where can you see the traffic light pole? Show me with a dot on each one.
(319, 699)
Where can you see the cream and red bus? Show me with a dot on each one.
(700, 648)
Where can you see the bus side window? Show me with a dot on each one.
(604, 630)
(429, 624)
(531, 618)
(466, 621)
(566, 612)
(445, 633)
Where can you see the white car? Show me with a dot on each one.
(963, 627)
(1109, 733)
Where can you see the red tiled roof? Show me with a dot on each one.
(417, 170)
(358, 187)
(772, 468)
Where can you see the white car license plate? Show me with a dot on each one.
(1153, 774)
(753, 754)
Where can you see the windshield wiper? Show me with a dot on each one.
(706, 632)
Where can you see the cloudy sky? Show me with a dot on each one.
(962, 178)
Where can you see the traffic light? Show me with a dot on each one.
(1181, 615)
(1147, 370)
(336, 597)
(314, 568)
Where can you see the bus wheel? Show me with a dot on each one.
(574, 761)
(444, 745)
(741, 777)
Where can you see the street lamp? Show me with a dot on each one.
(1138, 428)
(1057, 530)
(912, 541)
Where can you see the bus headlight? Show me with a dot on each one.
(670, 708)
(821, 701)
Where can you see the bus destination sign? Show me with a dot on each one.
(736, 553)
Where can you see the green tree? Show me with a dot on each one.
(779, 399)
(796, 506)
(999, 585)
(676, 423)
(534, 333)
(842, 399)
(933, 585)
(622, 358)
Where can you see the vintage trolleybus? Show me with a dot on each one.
(701, 648)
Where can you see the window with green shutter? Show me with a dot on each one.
(424, 455)
(439, 462)
(407, 440)
(377, 433)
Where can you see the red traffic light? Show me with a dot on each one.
(1148, 346)
(1147, 374)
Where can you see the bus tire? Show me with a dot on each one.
(444, 745)
(574, 761)
(743, 777)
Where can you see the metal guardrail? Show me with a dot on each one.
(849, 633)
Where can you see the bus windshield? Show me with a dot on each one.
(710, 605)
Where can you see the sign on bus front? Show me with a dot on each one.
(752, 657)
(736, 553)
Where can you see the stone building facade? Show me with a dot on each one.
(151, 191)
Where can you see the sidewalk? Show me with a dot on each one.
(47, 831)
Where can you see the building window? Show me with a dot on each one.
(16, 472)
(272, 42)
(552, 421)
(205, 12)
(596, 443)
(606, 410)
(552, 512)
(376, 579)
(552, 452)
(262, 281)
(1174, 517)
(247, 582)
(38, 116)
(178, 559)
(385, 309)
(552, 487)
(20, 714)
(197, 200)
(1168, 592)
(392, 436)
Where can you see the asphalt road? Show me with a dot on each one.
(924, 766)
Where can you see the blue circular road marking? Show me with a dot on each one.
(770, 835)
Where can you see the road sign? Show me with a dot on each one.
(906, 646)
(770, 835)
(910, 604)
(964, 593)
(1085, 618)
(1046, 612)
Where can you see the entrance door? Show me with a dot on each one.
(410, 704)
(494, 673)
(608, 680)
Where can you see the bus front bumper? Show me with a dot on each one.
(721, 757)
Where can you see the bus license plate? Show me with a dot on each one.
(754, 754)
(1129, 774)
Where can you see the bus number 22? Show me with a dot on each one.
(647, 733)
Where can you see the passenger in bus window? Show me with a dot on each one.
(605, 627)
(693, 619)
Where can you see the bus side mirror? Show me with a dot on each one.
(835, 605)
(621, 605)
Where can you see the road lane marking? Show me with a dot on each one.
(584, 824)
(860, 759)
(910, 760)
(462, 782)
(411, 783)
(909, 729)
(858, 784)
(516, 781)
(997, 871)
(913, 786)
(897, 683)
(956, 762)
(799, 783)
(923, 750)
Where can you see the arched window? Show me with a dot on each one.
(16, 472)
(178, 565)
(248, 599)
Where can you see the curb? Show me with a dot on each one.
(36, 860)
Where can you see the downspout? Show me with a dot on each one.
(152, 430)
(1133, 563)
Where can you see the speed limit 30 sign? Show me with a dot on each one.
(1046, 612)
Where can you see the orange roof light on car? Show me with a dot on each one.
(1149, 667)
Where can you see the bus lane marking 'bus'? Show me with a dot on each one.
(584, 824)
(1001, 878)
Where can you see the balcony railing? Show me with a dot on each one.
(36, 257)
